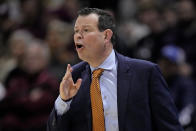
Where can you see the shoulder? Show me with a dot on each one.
(136, 64)
(79, 68)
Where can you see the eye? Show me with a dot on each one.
(76, 31)
(85, 30)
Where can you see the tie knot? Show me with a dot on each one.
(97, 73)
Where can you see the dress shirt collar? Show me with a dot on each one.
(108, 64)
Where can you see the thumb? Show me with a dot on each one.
(78, 83)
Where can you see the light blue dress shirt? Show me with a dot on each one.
(108, 86)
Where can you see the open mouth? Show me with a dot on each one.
(78, 46)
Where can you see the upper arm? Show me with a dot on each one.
(164, 112)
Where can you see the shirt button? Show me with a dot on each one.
(104, 97)
(115, 126)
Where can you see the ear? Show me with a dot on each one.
(108, 35)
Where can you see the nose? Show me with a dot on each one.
(78, 35)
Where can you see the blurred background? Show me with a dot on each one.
(36, 44)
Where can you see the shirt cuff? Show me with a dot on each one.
(61, 106)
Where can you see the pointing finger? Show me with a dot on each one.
(68, 72)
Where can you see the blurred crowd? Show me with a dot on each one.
(36, 44)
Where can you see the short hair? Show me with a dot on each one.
(105, 20)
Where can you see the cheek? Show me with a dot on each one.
(90, 39)
(93, 39)
(74, 37)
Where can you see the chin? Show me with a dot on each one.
(81, 57)
(84, 58)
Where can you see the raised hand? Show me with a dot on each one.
(68, 88)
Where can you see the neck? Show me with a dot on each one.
(97, 62)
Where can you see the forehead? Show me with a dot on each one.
(86, 20)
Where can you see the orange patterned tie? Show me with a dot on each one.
(96, 102)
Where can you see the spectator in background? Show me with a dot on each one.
(59, 39)
(182, 87)
(66, 11)
(32, 15)
(149, 46)
(187, 30)
(10, 17)
(31, 91)
(12, 58)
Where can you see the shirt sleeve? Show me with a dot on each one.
(61, 106)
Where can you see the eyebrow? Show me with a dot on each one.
(83, 26)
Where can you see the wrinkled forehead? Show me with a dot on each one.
(86, 20)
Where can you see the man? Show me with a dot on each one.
(134, 95)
